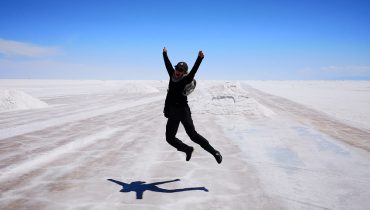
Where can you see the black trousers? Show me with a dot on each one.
(182, 114)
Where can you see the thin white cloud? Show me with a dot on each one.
(347, 70)
(42, 66)
(335, 72)
(49, 68)
(54, 69)
(14, 48)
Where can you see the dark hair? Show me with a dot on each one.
(182, 65)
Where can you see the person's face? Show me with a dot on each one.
(179, 73)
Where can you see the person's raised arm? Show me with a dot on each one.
(196, 66)
(158, 183)
(167, 62)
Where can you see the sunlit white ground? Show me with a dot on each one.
(286, 145)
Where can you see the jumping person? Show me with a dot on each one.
(177, 109)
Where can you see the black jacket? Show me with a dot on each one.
(175, 88)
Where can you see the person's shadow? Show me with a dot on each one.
(140, 187)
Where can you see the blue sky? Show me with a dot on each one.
(65, 39)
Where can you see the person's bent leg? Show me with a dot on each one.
(188, 124)
(171, 130)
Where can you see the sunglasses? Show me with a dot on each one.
(180, 70)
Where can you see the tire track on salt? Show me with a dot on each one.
(322, 122)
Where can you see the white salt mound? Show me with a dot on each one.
(137, 87)
(15, 99)
(227, 99)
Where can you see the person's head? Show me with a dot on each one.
(180, 69)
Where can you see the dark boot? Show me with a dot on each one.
(189, 153)
(218, 157)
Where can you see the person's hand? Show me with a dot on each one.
(200, 54)
(164, 50)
